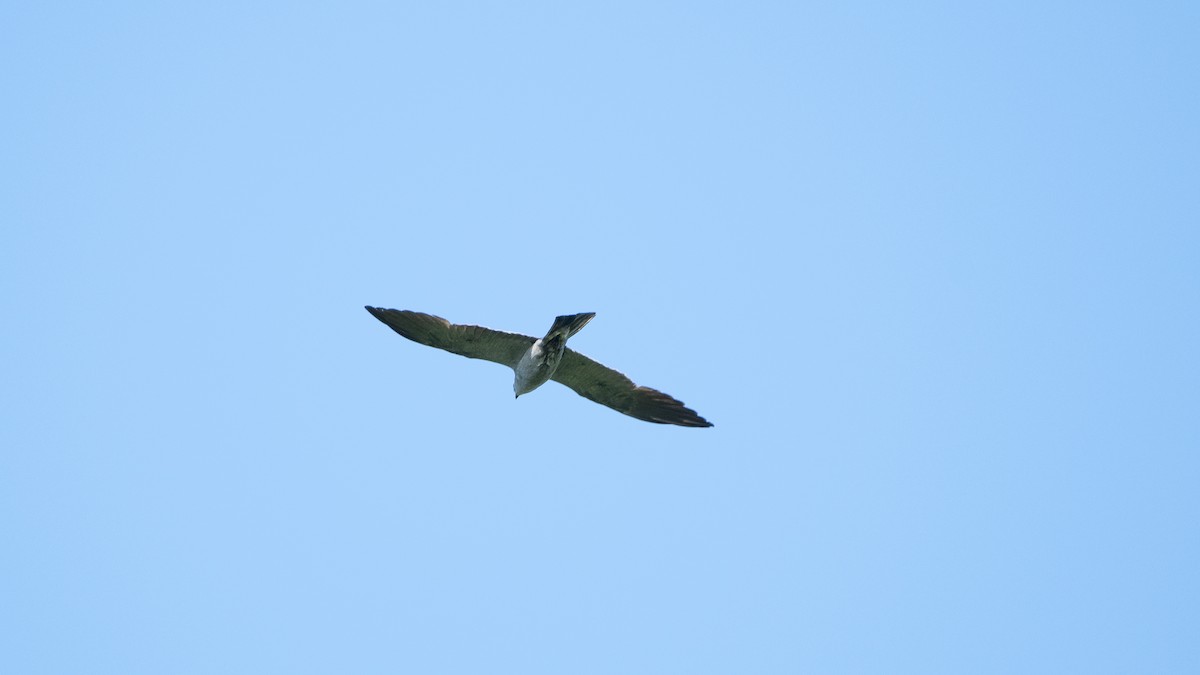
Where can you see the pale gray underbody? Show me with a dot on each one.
(539, 363)
(536, 367)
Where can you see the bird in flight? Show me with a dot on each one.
(536, 361)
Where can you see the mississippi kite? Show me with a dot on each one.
(534, 361)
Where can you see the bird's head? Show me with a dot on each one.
(521, 386)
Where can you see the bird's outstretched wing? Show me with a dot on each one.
(475, 342)
(606, 386)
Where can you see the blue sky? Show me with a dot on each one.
(932, 270)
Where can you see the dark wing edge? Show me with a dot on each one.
(474, 342)
(599, 383)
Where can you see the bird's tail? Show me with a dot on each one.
(566, 326)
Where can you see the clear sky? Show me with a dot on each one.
(932, 269)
